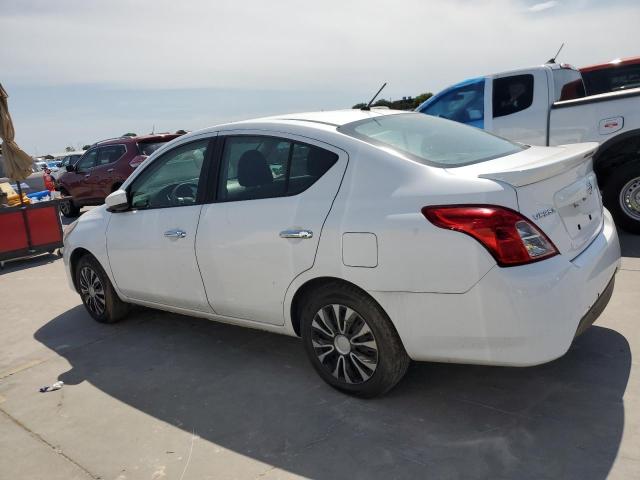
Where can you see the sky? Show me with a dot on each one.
(78, 71)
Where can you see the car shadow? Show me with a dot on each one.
(629, 244)
(255, 393)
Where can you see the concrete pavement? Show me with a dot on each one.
(166, 396)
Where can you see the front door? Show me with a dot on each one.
(102, 175)
(151, 246)
(78, 182)
(273, 195)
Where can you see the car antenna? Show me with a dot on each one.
(553, 59)
(368, 105)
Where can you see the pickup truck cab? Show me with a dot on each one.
(547, 105)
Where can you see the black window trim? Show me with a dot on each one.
(203, 181)
(217, 164)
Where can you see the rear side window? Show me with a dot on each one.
(512, 94)
(264, 167)
(430, 140)
(147, 148)
(109, 154)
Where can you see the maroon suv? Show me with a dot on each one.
(103, 168)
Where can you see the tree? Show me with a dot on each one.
(421, 98)
(130, 135)
(86, 147)
(69, 149)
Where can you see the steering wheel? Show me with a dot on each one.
(184, 193)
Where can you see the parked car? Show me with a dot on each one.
(103, 168)
(546, 105)
(53, 165)
(40, 165)
(70, 159)
(376, 236)
(619, 74)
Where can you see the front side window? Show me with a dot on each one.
(88, 160)
(430, 140)
(110, 154)
(171, 180)
(463, 104)
(255, 167)
(512, 94)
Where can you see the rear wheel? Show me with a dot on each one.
(622, 196)
(97, 293)
(351, 342)
(68, 208)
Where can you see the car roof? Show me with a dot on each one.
(320, 120)
(618, 62)
(156, 137)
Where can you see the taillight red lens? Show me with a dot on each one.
(507, 235)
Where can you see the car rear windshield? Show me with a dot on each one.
(431, 140)
(147, 148)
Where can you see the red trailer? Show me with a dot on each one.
(29, 230)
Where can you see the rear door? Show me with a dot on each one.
(519, 107)
(262, 229)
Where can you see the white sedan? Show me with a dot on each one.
(377, 236)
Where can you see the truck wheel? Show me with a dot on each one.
(351, 342)
(69, 209)
(622, 196)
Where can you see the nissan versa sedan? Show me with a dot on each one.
(376, 236)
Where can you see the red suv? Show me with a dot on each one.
(103, 168)
(613, 76)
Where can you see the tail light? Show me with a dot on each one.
(135, 161)
(507, 235)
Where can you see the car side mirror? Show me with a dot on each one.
(70, 168)
(117, 201)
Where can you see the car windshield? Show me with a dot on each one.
(147, 148)
(430, 140)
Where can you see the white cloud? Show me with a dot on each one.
(539, 7)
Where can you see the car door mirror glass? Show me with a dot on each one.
(117, 201)
(70, 168)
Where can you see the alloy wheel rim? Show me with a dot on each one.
(92, 291)
(630, 198)
(344, 344)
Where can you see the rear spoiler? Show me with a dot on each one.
(570, 156)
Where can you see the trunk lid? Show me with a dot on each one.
(556, 189)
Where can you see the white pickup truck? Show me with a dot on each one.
(546, 105)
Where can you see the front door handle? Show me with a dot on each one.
(110, 170)
(296, 234)
(175, 233)
(87, 175)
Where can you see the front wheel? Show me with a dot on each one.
(351, 342)
(622, 196)
(97, 293)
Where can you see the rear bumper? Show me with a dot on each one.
(515, 316)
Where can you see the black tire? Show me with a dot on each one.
(68, 208)
(101, 301)
(624, 177)
(365, 379)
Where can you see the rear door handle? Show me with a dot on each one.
(175, 233)
(296, 234)
(110, 170)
